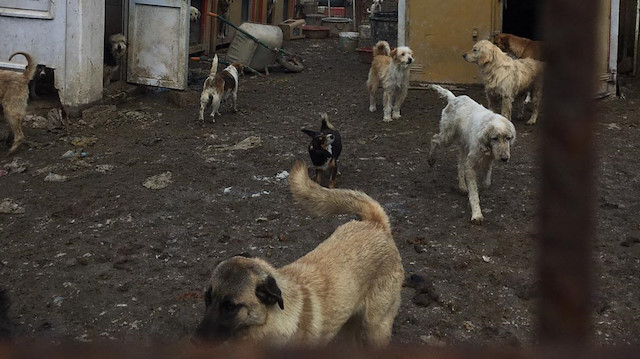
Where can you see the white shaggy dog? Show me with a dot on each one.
(194, 14)
(505, 78)
(482, 136)
(219, 87)
(391, 69)
(114, 49)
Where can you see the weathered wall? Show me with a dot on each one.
(71, 43)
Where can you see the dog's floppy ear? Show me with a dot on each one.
(309, 132)
(269, 293)
(485, 139)
(487, 53)
(393, 53)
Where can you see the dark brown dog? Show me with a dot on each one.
(14, 94)
(519, 47)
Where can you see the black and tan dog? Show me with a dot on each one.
(350, 284)
(325, 148)
(14, 94)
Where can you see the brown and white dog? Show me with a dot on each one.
(219, 87)
(505, 78)
(14, 94)
(390, 68)
(519, 47)
(349, 284)
(114, 49)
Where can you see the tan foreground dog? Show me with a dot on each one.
(390, 68)
(520, 47)
(505, 79)
(219, 87)
(350, 284)
(14, 94)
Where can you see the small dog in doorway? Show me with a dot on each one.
(219, 87)
(114, 49)
(194, 14)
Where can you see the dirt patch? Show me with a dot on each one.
(99, 256)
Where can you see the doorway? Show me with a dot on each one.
(521, 17)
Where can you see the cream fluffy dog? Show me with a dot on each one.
(114, 49)
(218, 87)
(391, 69)
(350, 284)
(194, 14)
(482, 135)
(505, 78)
(14, 94)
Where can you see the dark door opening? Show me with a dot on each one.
(520, 18)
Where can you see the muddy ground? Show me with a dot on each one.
(96, 255)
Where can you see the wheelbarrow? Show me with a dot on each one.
(286, 59)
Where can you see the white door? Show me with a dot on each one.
(158, 43)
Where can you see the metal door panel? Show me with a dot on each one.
(439, 32)
(158, 43)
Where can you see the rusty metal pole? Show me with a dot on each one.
(567, 197)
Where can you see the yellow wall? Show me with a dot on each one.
(439, 32)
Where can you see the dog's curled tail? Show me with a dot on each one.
(443, 92)
(382, 48)
(31, 66)
(214, 66)
(323, 201)
(325, 122)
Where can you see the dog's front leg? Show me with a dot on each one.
(462, 183)
(333, 166)
(401, 97)
(487, 176)
(535, 103)
(387, 98)
(318, 178)
(474, 198)
(507, 103)
(234, 99)
(204, 101)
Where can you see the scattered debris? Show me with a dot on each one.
(158, 181)
(8, 206)
(282, 175)
(247, 143)
(486, 259)
(84, 141)
(612, 126)
(99, 115)
(104, 168)
(52, 177)
(57, 301)
(18, 165)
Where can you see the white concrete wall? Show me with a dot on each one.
(71, 43)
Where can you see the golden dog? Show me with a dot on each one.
(14, 94)
(505, 78)
(391, 69)
(520, 47)
(350, 284)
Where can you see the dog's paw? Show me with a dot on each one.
(372, 108)
(387, 119)
(396, 116)
(477, 220)
(530, 123)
